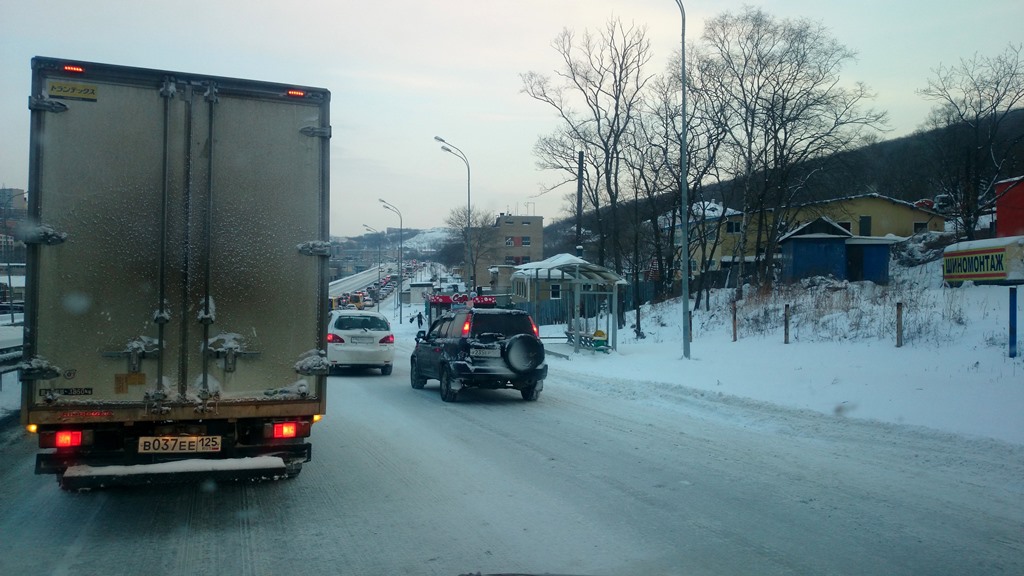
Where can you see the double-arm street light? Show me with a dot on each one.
(401, 271)
(375, 231)
(470, 269)
(684, 208)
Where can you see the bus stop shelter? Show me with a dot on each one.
(586, 293)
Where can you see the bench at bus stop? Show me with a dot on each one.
(587, 342)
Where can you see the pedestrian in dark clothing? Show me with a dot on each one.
(419, 319)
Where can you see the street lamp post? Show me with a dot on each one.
(470, 268)
(375, 231)
(684, 211)
(401, 270)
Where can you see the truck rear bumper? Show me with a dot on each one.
(127, 464)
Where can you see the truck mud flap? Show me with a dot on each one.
(260, 468)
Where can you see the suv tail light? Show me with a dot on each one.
(536, 331)
(335, 339)
(465, 327)
(389, 339)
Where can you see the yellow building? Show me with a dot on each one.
(863, 215)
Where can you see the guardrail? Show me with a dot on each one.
(10, 357)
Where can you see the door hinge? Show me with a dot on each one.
(41, 234)
(43, 104)
(315, 248)
(322, 132)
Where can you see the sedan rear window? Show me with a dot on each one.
(361, 322)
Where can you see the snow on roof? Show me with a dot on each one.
(986, 243)
(568, 267)
(869, 195)
(840, 232)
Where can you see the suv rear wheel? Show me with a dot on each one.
(415, 379)
(530, 394)
(447, 394)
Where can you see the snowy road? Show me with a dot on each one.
(579, 482)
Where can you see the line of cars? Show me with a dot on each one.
(487, 348)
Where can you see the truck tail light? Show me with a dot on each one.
(294, 93)
(74, 68)
(335, 339)
(68, 438)
(286, 429)
(65, 438)
(389, 339)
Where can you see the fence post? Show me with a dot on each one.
(899, 324)
(1013, 321)
(733, 320)
(787, 324)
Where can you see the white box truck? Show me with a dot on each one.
(176, 288)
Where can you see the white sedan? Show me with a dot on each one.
(360, 339)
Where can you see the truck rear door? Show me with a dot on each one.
(178, 266)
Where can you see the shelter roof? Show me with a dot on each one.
(569, 268)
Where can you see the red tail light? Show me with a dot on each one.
(69, 438)
(536, 331)
(389, 339)
(465, 328)
(286, 429)
(335, 339)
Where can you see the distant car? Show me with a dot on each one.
(481, 348)
(360, 339)
(367, 302)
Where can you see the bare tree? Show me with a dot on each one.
(971, 143)
(597, 96)
(785, 107)
(483, 237)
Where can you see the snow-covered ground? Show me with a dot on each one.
(952, 374)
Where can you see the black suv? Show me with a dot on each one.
(480, 348)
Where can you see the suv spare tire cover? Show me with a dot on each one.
(523, 353)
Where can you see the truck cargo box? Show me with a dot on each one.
(177, 262)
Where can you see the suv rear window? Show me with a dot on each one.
(507, 324)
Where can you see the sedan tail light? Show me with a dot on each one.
(335, 339)
(389, 339)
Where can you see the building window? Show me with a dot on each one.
(509, 241)
(509, 222)
(920, 227)
(526, 222)
(556, 291)
(526, 240)
(848, 226)
(865, 226)
(733, 227)
(510, 261)
(526, 259)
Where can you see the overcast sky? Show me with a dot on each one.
(403, 71)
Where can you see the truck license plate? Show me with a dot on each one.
(170, 444)
(485, 352)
